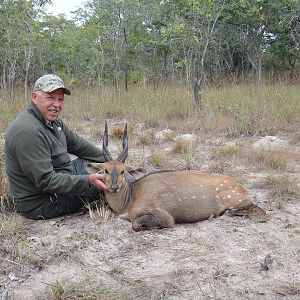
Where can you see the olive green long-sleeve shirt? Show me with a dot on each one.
(37, 159)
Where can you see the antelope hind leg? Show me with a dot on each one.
(253, 212)
(239, 204)
(152, 218)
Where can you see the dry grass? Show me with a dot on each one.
(147, 138)
(181, 147)
(233, 109)
(57, 290)
(185, 153)
(251, 110)
(226, 151)
(265, 159)
(14, 251)
(169, 136)
(78, 291)
(10, 110)
(116, 132)
(288, 288)
(282, 187)
(99, 211)
(221, 123)
(295, 140)
(11, 224)
(5, 201)
(157, 159)
(218, 166)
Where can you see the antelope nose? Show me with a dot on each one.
(114, 188)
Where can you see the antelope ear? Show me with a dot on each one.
(137, 172)
(93, 168)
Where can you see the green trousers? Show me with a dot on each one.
(57, 205)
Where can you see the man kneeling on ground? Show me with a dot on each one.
(43, 180)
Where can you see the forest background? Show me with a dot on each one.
(126, 42)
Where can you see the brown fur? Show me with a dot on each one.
(162, 199)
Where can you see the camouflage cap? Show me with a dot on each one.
(49, 83)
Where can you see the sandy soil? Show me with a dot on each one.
(221, 258)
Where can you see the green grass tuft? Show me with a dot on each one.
(157, 159)
(226, 151)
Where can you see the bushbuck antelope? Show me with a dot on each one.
(162, 198)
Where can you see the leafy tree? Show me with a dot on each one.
(124, 41)
(259, 22)
(17, 27)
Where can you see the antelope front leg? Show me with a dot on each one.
(152, 218)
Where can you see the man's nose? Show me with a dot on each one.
(56, 102)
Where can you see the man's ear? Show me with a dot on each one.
(33, 97)
(93, 168)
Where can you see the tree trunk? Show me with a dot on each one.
(197, 91)
(200, 58)
(259, 64)
(28, 59)
(4, 87)
(292, 62)
(116, 63)
(126, 59)
(102, 63)
(164, 75)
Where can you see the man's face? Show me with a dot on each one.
(50, 104)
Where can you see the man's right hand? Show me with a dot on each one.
(96, 180)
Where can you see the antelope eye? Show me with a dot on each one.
(122, 172)
(106, 171)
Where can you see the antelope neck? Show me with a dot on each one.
(120, 201)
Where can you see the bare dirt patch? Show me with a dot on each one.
(77, 257)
